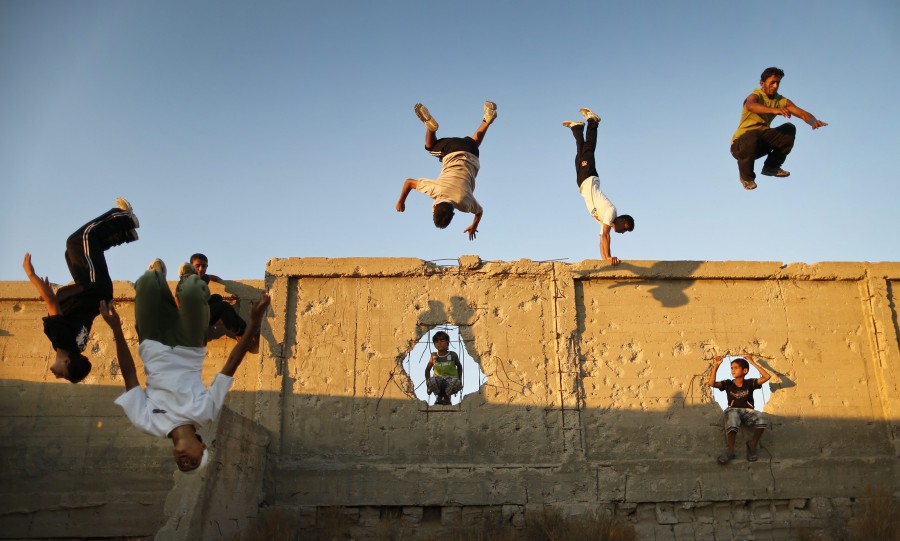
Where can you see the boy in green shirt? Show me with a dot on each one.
(448, 371)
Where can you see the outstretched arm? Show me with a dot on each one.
(763, 375)
(605, 246)
(43, 287)
(807, 117)
(472, 229)
(257, 313)
(123, 354)
(715, 368)
(408, 186)
(752, 104)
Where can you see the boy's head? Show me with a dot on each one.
(739, 367)
(200, 262)
(443, 214)
(768, 72)
(623, 223)
(190, 452)
(441, 339)
(71, 365)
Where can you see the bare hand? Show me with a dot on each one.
(818, 124)
(784, 111)
(26, 264)
(109, 314)
(614, 261)
(471, 231)
(401, 206)
(718, 359)
(258, 311)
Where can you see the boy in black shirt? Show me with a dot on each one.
(740, 404)
(72, 309)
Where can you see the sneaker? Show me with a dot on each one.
(185, 270)
(158, 266)
(589, 115)
(490, 111)
(749, 184)
(573, 124)
(775, 172)
(423, 114)
(131, 235)
(123, 204)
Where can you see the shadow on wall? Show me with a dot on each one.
(667, 292)
(86, 472)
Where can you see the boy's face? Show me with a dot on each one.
(201, 265)
(738, 371)
(188, 453)
(770, 85)
(441, 344)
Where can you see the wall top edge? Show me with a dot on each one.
(587, 269)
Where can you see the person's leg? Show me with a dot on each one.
(85, 247)
(193, 311)
(585, 163)
(780, 141)
(430, 138)
(221, 310)
(155, 312)
(746, 149)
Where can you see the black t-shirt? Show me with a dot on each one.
(740, 397)
(449, 145)
(79, 305)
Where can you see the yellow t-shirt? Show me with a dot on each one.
(753, 121)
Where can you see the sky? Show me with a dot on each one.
(255, 130)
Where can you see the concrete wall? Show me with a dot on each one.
(595, 398)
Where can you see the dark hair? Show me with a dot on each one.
(198, 256)
(78, 368)
(629, 221)
(742, 362)
(443, 214)
(439, 336)
(768, 72)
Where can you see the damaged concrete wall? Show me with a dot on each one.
(596, 390)
(595, 397)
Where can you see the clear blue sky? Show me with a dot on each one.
(251, 130)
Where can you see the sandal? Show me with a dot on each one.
(751, 454)
(725, 458)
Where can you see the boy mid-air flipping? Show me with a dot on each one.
(454, 188)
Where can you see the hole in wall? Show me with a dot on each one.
(417, 360)
(760, 396)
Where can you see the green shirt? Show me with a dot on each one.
(446, 365)
(754, 121)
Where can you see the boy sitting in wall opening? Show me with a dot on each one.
(740, 404)
(448, 371)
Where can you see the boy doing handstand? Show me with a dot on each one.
(172, 345)
(448, 371)
(601, 208)
(740, 404)
(455, 186)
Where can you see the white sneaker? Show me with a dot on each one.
(573, 124)
(123, 204)
(490, 111)
(158, 266)
(425, 117)
(185, 270)
(589, 115)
